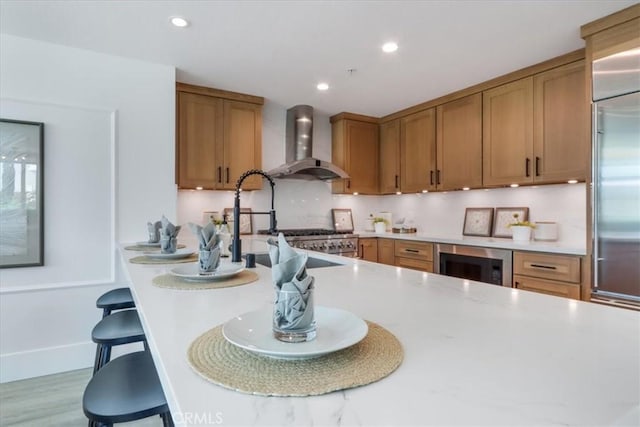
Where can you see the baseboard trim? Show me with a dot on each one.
(46, 361)
(54, 360)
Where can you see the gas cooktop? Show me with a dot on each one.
(295, 232)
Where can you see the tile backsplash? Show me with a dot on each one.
(304, 204)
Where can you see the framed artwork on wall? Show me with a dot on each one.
(478, 222)
(342, 219)
(245, 220)
(504, 217)
(21, 193)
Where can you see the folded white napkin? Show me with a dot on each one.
(168, 236)
(289, 275)
(209, 246)
(154, 231)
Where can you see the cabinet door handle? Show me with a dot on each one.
(546, 267)
(526, 167)
(438, 176)
(348, 184)
(227, 175)
(397, 181)
(219, 174)
(361, 251)
(413, 251)
(537, 166)
(431, 175)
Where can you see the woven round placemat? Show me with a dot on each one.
(140, 248)
(222, 363)
(173, 282)
(143, 259)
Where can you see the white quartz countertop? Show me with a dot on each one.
(474, 353)
(487, 242)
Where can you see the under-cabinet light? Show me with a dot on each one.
(514, 185)
(572, 181)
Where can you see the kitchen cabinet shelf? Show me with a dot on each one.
(218, 137)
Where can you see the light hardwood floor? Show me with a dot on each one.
(52, 400)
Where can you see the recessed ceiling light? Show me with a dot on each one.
(179, 21)
(323, 86)
(390, 47)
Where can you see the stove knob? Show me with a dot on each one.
(340, 245)
(301, 246)
(350, 245)
(332, 245)
(313, 247)
(323, 246)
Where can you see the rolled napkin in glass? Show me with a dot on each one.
(209, 246)
(293, 311)
(154, 231)
(168, 236)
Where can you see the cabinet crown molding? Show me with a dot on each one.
(219, 93)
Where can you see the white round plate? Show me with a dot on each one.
(178, 254)
(151, 245)
(192, 272)
(336, 329)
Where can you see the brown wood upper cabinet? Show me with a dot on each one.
(508, 133)
(219, 137)
(418, 151)
(354, 148)
(390, 157)
(533, 129)
(459, 144)
(560, 137)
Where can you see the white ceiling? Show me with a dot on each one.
(282, 49)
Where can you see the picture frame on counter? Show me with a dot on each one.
(342, 220)
(246, 226)
(478, 222)
(22, 195)
(504, 217)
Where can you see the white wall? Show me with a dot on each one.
(304, 204)
(109, 159)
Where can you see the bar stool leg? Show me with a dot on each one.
(96, 363)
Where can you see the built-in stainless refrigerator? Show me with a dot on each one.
(616, 177)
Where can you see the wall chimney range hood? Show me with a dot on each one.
(300, 163)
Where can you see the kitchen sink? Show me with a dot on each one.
(263, 259)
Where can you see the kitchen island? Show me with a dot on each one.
(474, 353)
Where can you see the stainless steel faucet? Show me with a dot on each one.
(236, 245)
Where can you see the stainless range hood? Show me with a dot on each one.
(299, 150)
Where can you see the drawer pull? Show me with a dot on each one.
(546, 267)
(413, 251)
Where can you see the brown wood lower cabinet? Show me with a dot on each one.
(549, 287)
(415, 255)
(368, 249)
(386, 251)
(551, 274)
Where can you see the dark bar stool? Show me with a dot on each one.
(115, 299)
(125, 389)
(121, 327)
